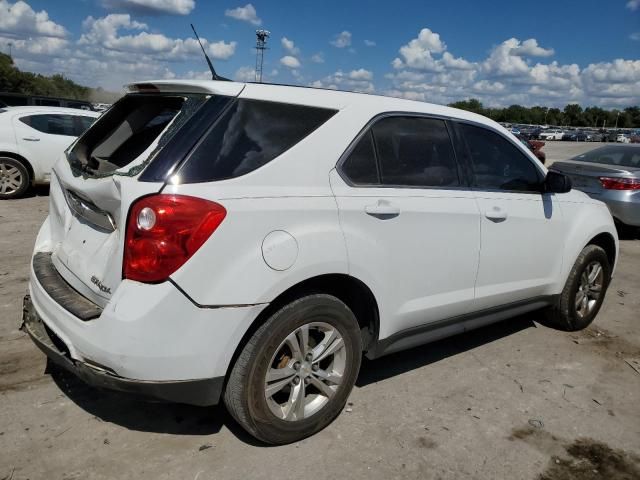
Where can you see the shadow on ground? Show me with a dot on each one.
(398, 363)
(139, 414)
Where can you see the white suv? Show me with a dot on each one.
(250, 242)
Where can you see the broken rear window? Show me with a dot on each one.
(129, 128)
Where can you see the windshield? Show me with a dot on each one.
(613, 155)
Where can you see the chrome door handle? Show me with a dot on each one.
(383, 209)
(496, 214)
(31, 139)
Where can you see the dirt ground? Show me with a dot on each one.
(515, 400)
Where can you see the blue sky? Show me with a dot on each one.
(502, 52)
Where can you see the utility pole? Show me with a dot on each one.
(10, 46)
(261, 46)
(617, 115)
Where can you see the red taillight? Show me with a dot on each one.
(164, 231)
(620, 183)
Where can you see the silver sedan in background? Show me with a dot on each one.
(611, 174)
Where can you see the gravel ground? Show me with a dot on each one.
(515, 400)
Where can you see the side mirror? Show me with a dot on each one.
(556, 183)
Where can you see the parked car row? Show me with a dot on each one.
(529, 132)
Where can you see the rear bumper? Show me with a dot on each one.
(623, 205)
(148, 339)
(194, 392)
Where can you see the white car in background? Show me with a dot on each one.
(213, 240)
(31, 140)
(551, 135)
(622, 138)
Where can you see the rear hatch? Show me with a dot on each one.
(94, 187)
(585, 176)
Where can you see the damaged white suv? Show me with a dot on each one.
(213, 240)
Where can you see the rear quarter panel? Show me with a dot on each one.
(230, 268)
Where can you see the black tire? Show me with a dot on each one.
(245, 395)
(564, 315)
(12, 171)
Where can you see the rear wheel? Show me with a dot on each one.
(584, 291)
(14, 178)
(295, 373)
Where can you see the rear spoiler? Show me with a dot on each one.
(215, 87)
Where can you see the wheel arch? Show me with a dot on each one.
(606, 241)
(21, 159)
(350, 290)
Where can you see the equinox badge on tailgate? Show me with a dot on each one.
(98, 283)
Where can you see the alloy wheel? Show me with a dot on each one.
(589, 289)
(10, 179)
(305, 372)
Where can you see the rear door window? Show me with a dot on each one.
(415, 152)
(360, 167)
(249, 135)
(83, 123)
(53, 124)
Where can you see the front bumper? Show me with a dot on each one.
(195, 392)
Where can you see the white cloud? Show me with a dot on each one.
(103, 33)
(246, 14)
(245, 74)
(342, 40)
(633, 4)
(18, 19)
(290, 61)
(289, 46)
(360, 74)
(635, 36)
(451, 62)
(487, 87)
(318, 58)
(356, 81)
(502, 63)
(530, 48)
(153, 7)
(370, 43)
(418, 52)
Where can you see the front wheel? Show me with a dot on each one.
(295, 373)
(584, 291)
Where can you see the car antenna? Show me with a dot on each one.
(214, 75)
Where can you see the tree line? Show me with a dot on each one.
(13, 80)
(572, 115)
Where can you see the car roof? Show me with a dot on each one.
(311, 96)
(45, 109)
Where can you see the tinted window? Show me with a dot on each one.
(51, 124)
(250, 134)
(497, 164)
(82, 123)
(415, 152)
(360, 166)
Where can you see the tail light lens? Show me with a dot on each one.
(620, 183)
(164, 231)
